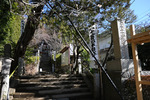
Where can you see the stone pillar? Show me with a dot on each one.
(79, 64)
(7, 50)
(6, 64)
(96, 85)
(122, 67)
(53, 66)
(20, 66)
(120, 39)
(122, 63)
(38, 60)
(22, 26)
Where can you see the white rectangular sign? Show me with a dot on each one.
(93, 31)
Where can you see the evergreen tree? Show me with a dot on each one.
(9, 27)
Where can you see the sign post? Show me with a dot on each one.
(93, 31)
(93, 44)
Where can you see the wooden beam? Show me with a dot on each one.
(141, 34)
(140, 38)
(136, 66)
(145, 82)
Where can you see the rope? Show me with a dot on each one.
(13, 72)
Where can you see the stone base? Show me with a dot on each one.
(125, 66)
(109, 91)
(119, 71)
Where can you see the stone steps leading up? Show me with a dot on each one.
(53, 82)
(50, 76)
(52, 87)
(29, 98)
(47, 87)
(49, 79)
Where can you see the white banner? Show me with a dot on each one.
(93, 31)
(22, 26)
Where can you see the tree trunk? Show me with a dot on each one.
(31, 26)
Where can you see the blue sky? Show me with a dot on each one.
(142, 10)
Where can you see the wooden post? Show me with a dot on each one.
(136, 66)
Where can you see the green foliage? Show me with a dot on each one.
(9, 27)
(11, 32)
(57, 63)
(58, 60)
(85, 55)
(29, 52)
(31, 59)
(4, 18)
(85, 58)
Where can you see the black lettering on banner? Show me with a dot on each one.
(92, 37)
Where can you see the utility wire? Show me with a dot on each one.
(144, 12)
(144, 20)
(145, 16)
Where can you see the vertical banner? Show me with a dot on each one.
(93, 31)
(22, 26)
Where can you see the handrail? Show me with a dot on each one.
(13, 72)
(98, 63)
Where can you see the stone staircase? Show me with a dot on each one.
(52, 87)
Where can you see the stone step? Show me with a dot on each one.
(52, 87)
(30, 98)
(22, 95)
(48, 87)
(30, 83)
(62, 91)
(72, 95)
(12, 90)
(50, 76)
(49, 79)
